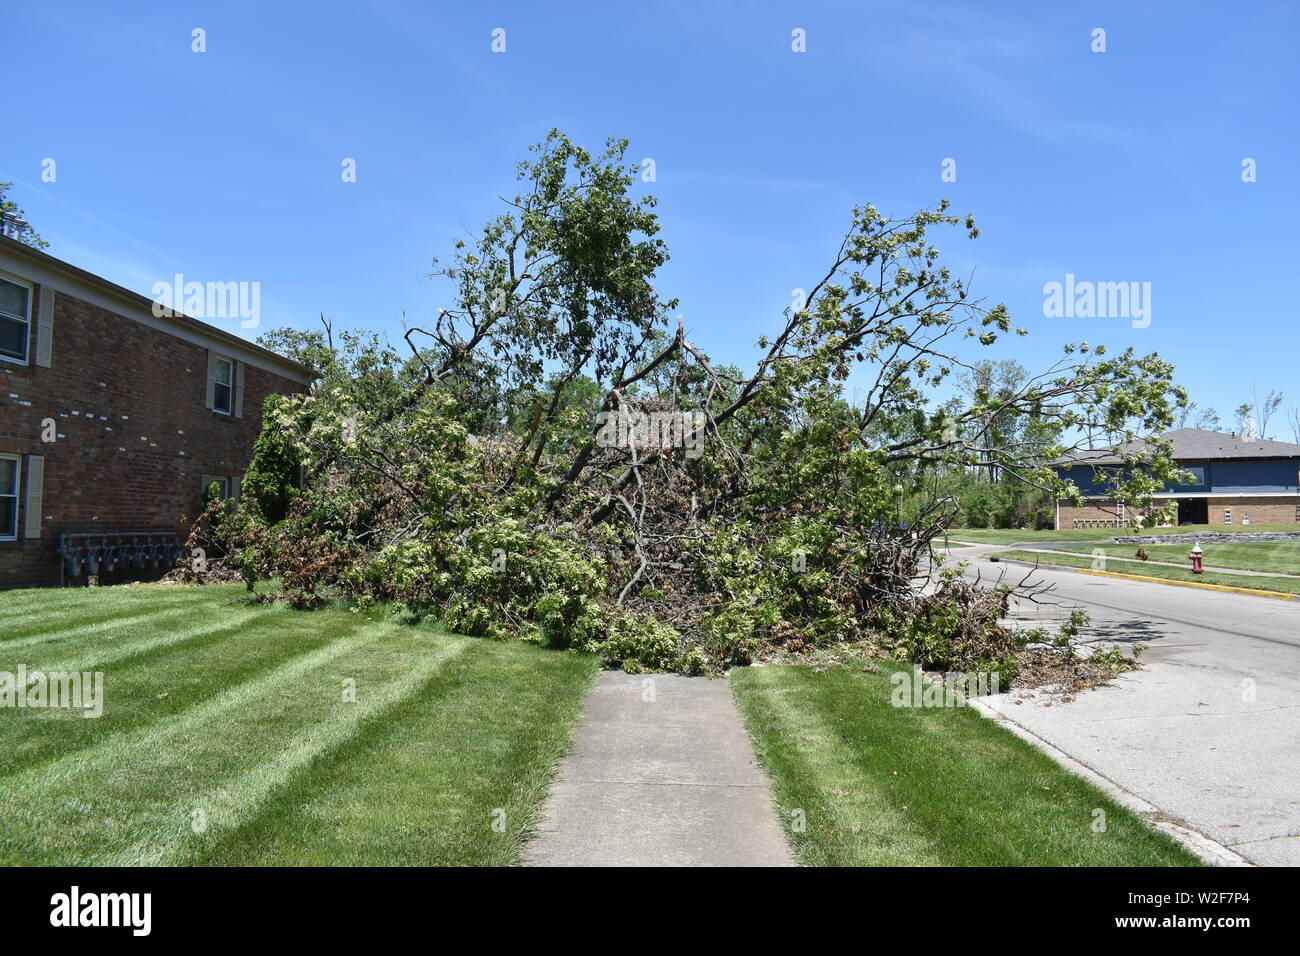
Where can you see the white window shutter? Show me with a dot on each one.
(239, 390)
(211, 400)
(45, 328)
(234, 486)
(35, 495)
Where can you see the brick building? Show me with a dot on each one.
(1236, 480)
(113, 421)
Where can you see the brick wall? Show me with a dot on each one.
(1261, 511)
(1097, 514)
(134, 436)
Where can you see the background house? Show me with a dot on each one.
(1236, 480)
(112, 419)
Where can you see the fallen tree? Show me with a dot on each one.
(554, 457)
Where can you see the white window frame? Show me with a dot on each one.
(17, 494)
(230, 395)
(27, 339)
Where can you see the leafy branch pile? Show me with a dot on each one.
(554, 458)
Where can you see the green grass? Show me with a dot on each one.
(232, 714)
(1283, 556)
(1012, 536)
(1146, 569)
(901, 786)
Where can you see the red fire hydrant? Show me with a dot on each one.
(1196, 556)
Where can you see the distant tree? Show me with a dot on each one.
(14, 225)
(357, 354)
(1264, 410)
(313, 349)
(1193, 416)
(1244, 413)
(988, 385)
(1293, 416)
(581, 393)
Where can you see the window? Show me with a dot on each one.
(1227, 517)
(225, 486)
(15, 320)
(222, 385)
(1198, 475)
(222, 483)
(10, 473)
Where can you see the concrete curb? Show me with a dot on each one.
(1252, 592)
(1207, 850)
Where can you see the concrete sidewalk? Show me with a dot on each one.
(662, 774)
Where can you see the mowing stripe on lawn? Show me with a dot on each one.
(18, 608)
(474, 746)
(230, 806)
(56, 616)
(103, 777)
(447, 735)
(122, 651)
(967, 792)
(107, 628)
(158, 683)
(26, 608)
(805, 745)
(915, 767)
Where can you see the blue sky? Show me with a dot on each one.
(1115, 166)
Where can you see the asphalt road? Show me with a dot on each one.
(1209, 730)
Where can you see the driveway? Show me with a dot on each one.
(1209, 730)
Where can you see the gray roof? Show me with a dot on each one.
(1194, 444)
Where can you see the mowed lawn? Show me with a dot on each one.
(862, 783)
(1012, 536)
(226, 737)
(1146, 569)
(1281, 556)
